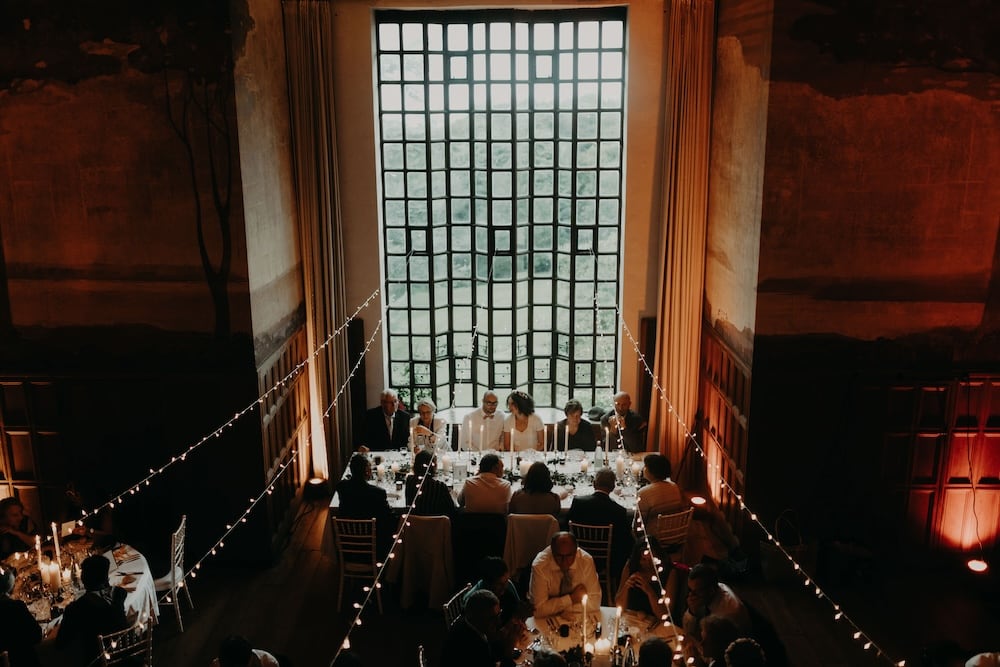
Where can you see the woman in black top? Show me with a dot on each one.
(637, 591)
(580, 431)
(435, 496)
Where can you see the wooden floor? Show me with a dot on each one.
(288, 609)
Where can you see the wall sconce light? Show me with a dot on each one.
(698, 501)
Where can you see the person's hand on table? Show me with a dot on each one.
(577, 593)
(641, 582)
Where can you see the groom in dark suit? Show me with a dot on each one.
(385, 427)
(598, 509)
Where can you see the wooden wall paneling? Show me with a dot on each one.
(919, 512)
(926, 458)
(54, 462)
(963, 449)
(22, 458)
(992, 420)
(43, 405)
(987, 464)
(969, 404)
(15, 403)
(933, 407)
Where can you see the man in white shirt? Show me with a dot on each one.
(661, 495)
(707, 596)
(486, 492)
(483, 429)
(561, 575)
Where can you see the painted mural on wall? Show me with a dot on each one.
(119, 186)
(881, 196)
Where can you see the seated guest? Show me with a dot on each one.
(99, 611)
(717, 633)
(17, 530)
(435, 496)
(598, 509)
(574, 432)
(482, 429)
(426, 430)
(522, 429)
(486, 492)
(545, 657)
(561, 575)
(385, 427)
(636, 589)
(707, 595)
(624, 423)
(535, 495)
(745, 652)
(235, 651)
(98, 526)
(496, 578)
(361, 500)
(661, 495)
(655, 652)
(19, 633)
(472, 640)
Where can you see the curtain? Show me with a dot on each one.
(309, 54)
(690, 35)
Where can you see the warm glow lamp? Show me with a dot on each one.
(698, 501)
(978, 565)
(316, 488)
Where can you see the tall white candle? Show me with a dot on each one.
(618, 620)
(413, 438)
(55, 539)
(566, 438)
(545, 438)
(511, 466)
(481, 426)
(620, 467)
(584, 602)
(38, 551)
(607, 437)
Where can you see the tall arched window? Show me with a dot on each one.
(501, 139)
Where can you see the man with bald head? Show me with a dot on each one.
(482, 429)
(624, 423)
(561, 575)
(599, 509)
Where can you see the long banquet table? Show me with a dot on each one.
(569, 472)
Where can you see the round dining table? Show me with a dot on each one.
(48, 595)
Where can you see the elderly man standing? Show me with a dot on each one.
(561, 575)
(486, 492)
(385, 427)
(622, 421)
(482, 429)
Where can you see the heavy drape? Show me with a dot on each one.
(309, 53)
(689, 57)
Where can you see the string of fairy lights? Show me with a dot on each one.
(858, 634)
(278, 385)
(839, 615)
(242, 519)
(382, 566)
